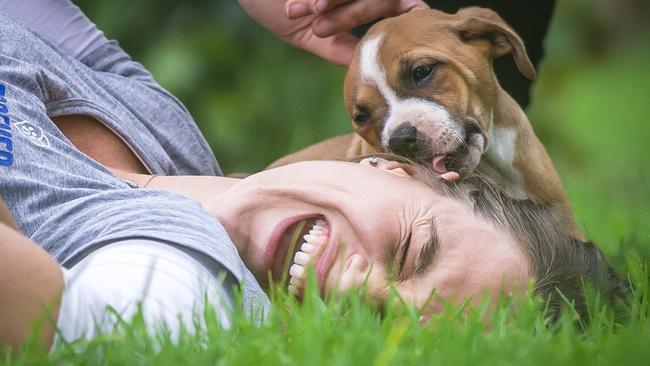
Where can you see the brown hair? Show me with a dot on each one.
(563, 267)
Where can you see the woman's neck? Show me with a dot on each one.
(202, 189)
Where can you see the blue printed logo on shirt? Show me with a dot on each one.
(6, 143)
(34, 133)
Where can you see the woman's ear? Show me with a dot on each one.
(393, 167)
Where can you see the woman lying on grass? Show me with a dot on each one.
(381, 227)
(107, 172)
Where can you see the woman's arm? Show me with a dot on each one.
(5, 216)
(31, 284)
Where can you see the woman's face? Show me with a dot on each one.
(374, 226)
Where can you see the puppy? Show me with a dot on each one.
(422, 85)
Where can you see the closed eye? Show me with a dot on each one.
(404, 254)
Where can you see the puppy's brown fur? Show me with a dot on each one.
(476, 125)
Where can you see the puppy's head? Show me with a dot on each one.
(422, 85)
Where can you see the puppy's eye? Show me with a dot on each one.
(422, 72)
(361, 119)
(361, 116)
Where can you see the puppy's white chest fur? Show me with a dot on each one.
(502, 153)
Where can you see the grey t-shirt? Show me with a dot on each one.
(66, 201)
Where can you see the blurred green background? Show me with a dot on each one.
(256, 99)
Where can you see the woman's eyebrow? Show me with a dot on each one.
(428, 251)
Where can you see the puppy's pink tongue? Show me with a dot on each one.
(438, 164)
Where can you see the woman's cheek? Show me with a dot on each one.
(357, 272)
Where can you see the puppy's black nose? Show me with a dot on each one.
(404, 140)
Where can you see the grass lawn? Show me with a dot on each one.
(594, 118)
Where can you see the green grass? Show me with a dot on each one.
(348, 331)
(591, 110)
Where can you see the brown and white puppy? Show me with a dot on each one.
(422, 85)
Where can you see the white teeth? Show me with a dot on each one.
(306, 247)
(310, 238)
(301, 258)
(297, 270)
(294, 281)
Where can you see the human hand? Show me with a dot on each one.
(321, 26)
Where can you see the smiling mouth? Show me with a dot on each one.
(300, 246)
(313, 245)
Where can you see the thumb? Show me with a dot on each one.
(297, 8)
(341, 48)
(409, 5)
(337, 49)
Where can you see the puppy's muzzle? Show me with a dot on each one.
(466, 156)
(407, 141)
(461, 155)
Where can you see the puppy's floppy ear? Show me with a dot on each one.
(485, 24)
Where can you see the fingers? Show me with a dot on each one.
(322, 25)
(297, 9)
(347, 16)
(335, 16)
(321, 6)
(300, 8)
(450, 176)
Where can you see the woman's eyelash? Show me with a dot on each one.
(402, 260)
